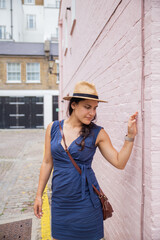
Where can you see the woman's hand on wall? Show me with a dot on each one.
(117, 159)
(132, 125)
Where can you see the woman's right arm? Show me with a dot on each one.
(45, 172)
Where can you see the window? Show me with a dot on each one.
(31, 21)
(57, 3)
(29, 1)
(2, 32)
(2, 3)
(33, 72)
(13, 72)
(52, 3)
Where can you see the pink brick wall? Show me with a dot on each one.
(106, 49)
(152, 120)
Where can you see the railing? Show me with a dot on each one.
(54, 5)
(5, 36)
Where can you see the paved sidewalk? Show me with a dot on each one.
(21, 154)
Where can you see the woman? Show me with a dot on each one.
(75, 207)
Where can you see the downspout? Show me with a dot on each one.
(142, 117)
(60, 100)
(11, 9)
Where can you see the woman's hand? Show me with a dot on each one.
(132, 125)
(38, 207)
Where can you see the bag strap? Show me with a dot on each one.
(75, 164)
(66, 149)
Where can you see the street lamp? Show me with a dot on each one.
(51, 63)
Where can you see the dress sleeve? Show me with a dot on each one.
(54, 129)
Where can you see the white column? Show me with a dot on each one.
(47, 109)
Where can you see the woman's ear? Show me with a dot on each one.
(73, 105)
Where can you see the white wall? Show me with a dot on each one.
(35, 35)
(50, 22)
(46, 21)
(17, 20)
(5, 19)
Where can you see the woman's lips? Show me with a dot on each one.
(89, 119)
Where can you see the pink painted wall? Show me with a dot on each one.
(106, 48)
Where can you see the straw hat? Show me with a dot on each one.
(85, 90)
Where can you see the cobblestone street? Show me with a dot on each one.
(21, 154)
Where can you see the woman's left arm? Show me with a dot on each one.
(117, 159)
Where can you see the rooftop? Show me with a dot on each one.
(26, 49)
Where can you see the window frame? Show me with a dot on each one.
(57, 3)
(3, 32)
(28, 22)
(33, 81)
(53, 4)
(13, 81)
(29, 3)
(3, 2)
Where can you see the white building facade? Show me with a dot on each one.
(29, 20)
(10, 25)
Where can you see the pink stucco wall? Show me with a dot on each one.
(106, 48)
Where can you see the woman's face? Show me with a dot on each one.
(85, 110)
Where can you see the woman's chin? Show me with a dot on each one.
(87, 121)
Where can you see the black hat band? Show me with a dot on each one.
(85, 95)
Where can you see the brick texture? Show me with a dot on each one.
(47, 80)
(106, 48)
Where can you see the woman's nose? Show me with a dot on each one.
(92, 112)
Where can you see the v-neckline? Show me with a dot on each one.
(62, 124)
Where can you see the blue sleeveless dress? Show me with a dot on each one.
(76, 211)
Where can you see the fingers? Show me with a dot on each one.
(38, 209)
(132, 124)
(135, 114)
(38, 212)
(134, 117)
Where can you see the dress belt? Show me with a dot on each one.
(85, 178)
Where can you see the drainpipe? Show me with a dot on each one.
(142, 117)
(11, 9)
(61, 104)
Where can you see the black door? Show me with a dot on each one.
(21, 112)
(34, 112)
(2, 112)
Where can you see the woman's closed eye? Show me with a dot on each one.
(88, 107)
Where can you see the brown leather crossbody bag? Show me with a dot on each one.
(106, 206)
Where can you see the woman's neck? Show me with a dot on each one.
(73, 122)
